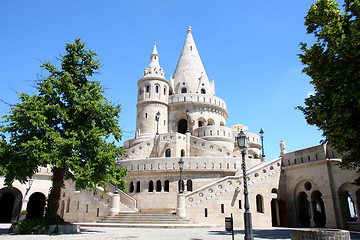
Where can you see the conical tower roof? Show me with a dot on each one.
(154, 68)
(190, 71)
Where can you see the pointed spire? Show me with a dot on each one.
(191, 65)
(154, 66)
(154, 52)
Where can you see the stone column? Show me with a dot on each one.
(187, 152)
(180, 209)
(115, 204)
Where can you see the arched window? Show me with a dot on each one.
(139, 91)
(318, 209)
(274, 190)
(351, 207)
(259, 204)
(151, 186)
(147, 88)
(68, 206)
(158, 186)
(166, 186)
(156, 89)
(184, 90)
(189, 186)
(203, 91)
(131, 187)
(182, 126)
(210, 122)
(168, 153)
(138, 186)
(222, 123)
(182, 152)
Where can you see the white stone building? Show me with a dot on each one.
(183, 118)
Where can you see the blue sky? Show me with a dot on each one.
(249, 47)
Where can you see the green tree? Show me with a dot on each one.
(67, 125)
(333, 63)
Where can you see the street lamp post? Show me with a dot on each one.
(157, 118)
(262, 142)
(181, 166)
(187, 120)
(242, 143)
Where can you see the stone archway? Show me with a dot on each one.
(283, 215)
(10, 205)
(36, 205)
(318, 209)
(304, 210)
(182, 126)
(275, 212)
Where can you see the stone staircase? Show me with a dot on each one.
(145, 218)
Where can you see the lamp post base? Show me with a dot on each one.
(180, 209)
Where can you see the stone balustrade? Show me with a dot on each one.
(171, 164)
(196, 98)
(228, 183)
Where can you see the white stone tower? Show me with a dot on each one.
(153, 93)
(191, 89)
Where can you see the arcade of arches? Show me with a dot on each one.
(11, 201)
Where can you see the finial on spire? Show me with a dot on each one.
(154, 52)
(189, 29)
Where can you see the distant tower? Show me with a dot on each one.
(153, 93)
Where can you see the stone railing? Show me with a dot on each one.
(214, 131)
(197, 98)
(225, 184)
(172, 164)
(125, 199)
(211, 148)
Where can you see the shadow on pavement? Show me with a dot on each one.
(259, 233)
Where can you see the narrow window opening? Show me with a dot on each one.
(166, 186)
(97, 212)
(147, 88)
(151, 186)
(309, 158)
(183, 90)
(203, 91)
(168, 153)
(222, 208)
(189, 185)
(239, 204)
(138, 186)
(145, 115)
(158, 186)
(156, 89)
(206, 212)
(87, 208)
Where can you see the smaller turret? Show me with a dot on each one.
(153, 96)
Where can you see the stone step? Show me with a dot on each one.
(145, 218)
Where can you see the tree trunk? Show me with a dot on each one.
(55, 192)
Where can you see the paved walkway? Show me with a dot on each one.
(112, 233)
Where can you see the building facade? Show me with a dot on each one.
(181, 117)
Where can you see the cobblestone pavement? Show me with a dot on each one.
(108, 233)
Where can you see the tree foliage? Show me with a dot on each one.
(67, 125)
(333, 63)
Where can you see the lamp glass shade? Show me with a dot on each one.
(181, 163)
(242, 140)
(30, 182)
(261, 132)
(158, 114)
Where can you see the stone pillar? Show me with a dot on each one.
(115, 204)
(180, 209)
(187, 152)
